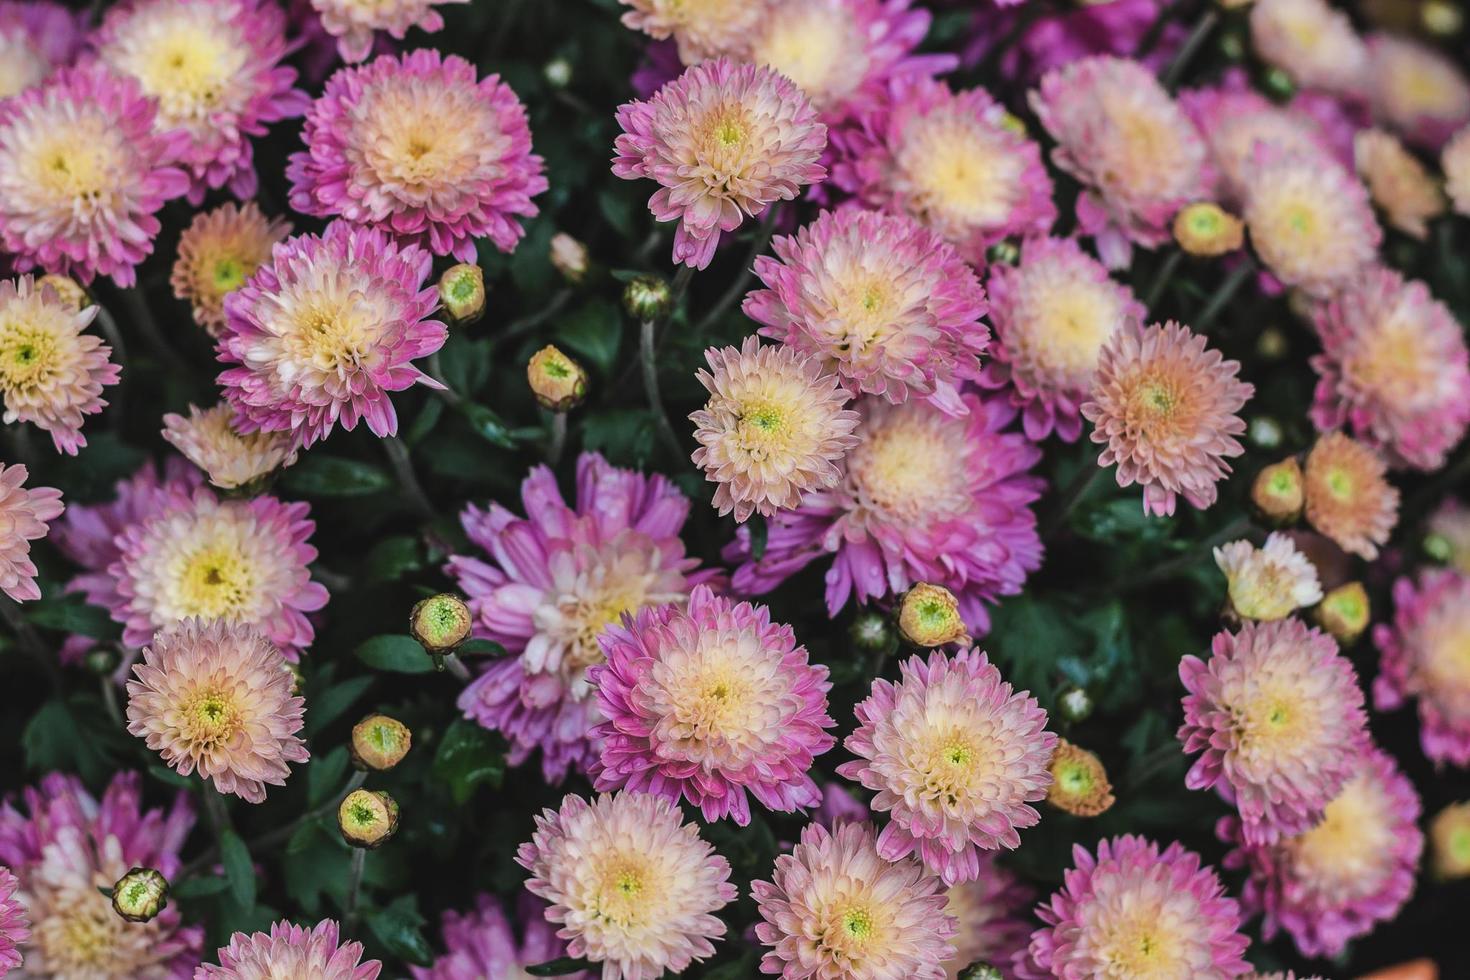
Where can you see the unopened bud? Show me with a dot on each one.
(1207, 229)
(1232, 45)
(367, 818)
(1079, 783)
(1344, 612)
(558, 72)
(558, 382)
(140, 895)
(1441, 18)
(872, 632)
(1273, 344)
(1449, 838)
(1265, 432)
(1439, 547)
(647, 297)
(66, 290)
(980, 971)
(462, 293)
(1279, 492)
(1004, 252)
(379, 742)
(440, 623)
(1278, 84)
(102, 660)
(569, 257)
(929, 616)
(1075, 704)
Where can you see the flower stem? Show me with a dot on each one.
(1192, 44)
(1223, 295)
(408, 482)
(354, 889)
(1161, 280)
(558, 441)
(650, 388)
(457, 667)
(142, 318)
(109, 700)
(1175, 566)
(1072, 495)
(738, 288)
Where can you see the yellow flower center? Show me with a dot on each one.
(421, 141)
(819, 50)
(853, 924)
(911, 465)
(28, 356)
(1069, 329)
(624, 890)
(187, 67)
(229, 273)
(1140, 950)
(210, 718)
(69, 165)
(1395, 365)
(1342, 855)
(84, 939)
(216, 582)
(958, 174)
(947, 761)
(1445, 644)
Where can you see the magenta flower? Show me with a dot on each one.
(484, 942)
(1056, 36)
(1417, 89)
(418, 146)
(992, 914)
(291, 951)
(24, 517)
(354, 23)
(556, 579)
(1423, 656)
(326, 330)
(707, 703)
(15, 927)
(36, 36)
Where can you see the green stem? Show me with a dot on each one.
(109, 700)
(408, 482)
(457, 667)
(1156, 29)
(533, 320)
(661, 422)
(1072, 495)
(738, 288)
(1161, 280)
(1192, 44)
(215, 810)
(1222, 295)
(30, 641)
(354, 889)
(558, 442)
(142, 318)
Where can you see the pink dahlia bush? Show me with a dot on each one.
(24, 517)
(1422, 655)
(485, 942)
(291, 951)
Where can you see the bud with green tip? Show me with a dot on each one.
(1441, 18)
(647, 297)
(873, 632)
(462, 293)
(558, 382)
(1079, 783)
(379, 743)
(1439, 547)
(980, 971)
(367, 818)
(1265, 432)
(1279, 491)
(440, 623)
(102, 661)
(1075, 704)
(140, 895)
(1344, 612)
(1278, 84)
(929, 616)
(1004, 252)
(1206, 229)
(557, 72)
(1272, 344)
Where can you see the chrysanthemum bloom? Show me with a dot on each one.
(1312, 42)
(773, 430)
(1080, 784)
(35, 37)
(956, 756)
(1348, 497)
(1449, 531)
(632, 886)
(1394, 369)
(1134, 912)
(1455, 162)
(219, 251)
(485, 943)
(216, 697)
(1416, 90)
(723, 141)
(83, 174)
(326, 330)
(51, 373)
(1054, 311)
(1400, 185)
(925, 497)
(953, 161)
(555, 580)
(880, 300)
(352, 22)
(239, 561)
(835, 907)
(419, 146)
(209, 440)
(1423, 656)
(702, 30)
(1449, 837)
(1348, 873)
(291, 951)
(991, 915)
(1270, 582)
(14, 926)
(707, 704)
(1166, 408)
(66, 847)
(1278, 718)
(24, 515)
(214, 66)
(1309, 220)
(1137, 154)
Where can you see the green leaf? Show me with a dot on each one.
(394, 557)
(72, 736)
(317, 865)
(424, 422)
(326, 707)
(468, 756)
(239, 871)
(624, 435)
(167, 776)
(72, 615)
(199, 887)
(318, 475)
(398, 654)
(759, 531)
(558, 967)
(594, 331)
(481, 648)
(324, 774)
(487, 425)
(400, 927)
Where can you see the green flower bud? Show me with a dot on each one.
(1345, 612)
(140, 895)
(1079, 782)
(929, 616)
(1273, 344)
(1075, 704)
(647, 297)
(101, 660)
(1004, 252)
(1441, 18)
(557, 72)
(558, 382)
(1266, 432)
(379, 743)
(1279, 491)
(367, 818)
(1206, 229)
(1439, 547)
(440, 623)
(980, 971)
(462, 293)
(872, 632)
(1278, 84)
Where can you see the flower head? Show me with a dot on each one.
(367, 818)
(214, 68)
(1348, 497)
(236, 561)
(67, 849)
(877, 298)
(929, 616)
(1394, 369)
(1417, 90)
(484, 942)
(35, 37)
(51, 373)
(1399, 184)
(1079, 784)
(1312, 42)
(325, 331)
(353, 22)
(773, 430)
(1277, 716)
(1134, 150)
(925, 497)
(209, 440)
(418, 145)
(956, 755)
(1352, 870)
(632, 886)
(1206, 229)
(723, 141)
(1449, 835)
(1165, 407)
(83, 174)
(702, 30)
(379, 743)
(1279, 491)
(1054, 312)
(1423, 656)
(991, 915)
(140, 895)
(1455, 162)
(1268, 583)
(291, 951)
(1134, 911)
(462, 293)
(218, 252)
(835, 907)
(24, 515)
(1309, 220)
(953, 161)
(555, 580)
(14, 925)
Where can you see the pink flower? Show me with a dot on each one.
(326, 330)
(883, 301)
(217, 253)
(555, 581)
(36, 36)
(291, 951)
(707, 703)
(1056, 36)
(953, 161)
(353, 22)
(24, 515)
(1133, 911)
(83, 174)
(1312, 42)
(925, 497)
(1423, 656)
(723, 141)
(484, 943)
(417, 146)
(991, 913)
(15, 927)
(1417, 90)
(956, 757)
